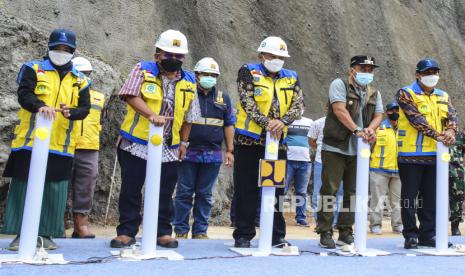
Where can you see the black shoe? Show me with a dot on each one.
(116, 243)
(411, 243)
(326, 240)
(431, 242)
(454, 228)
(345, 238)
(280, 243)
(242, 243)
(167, 242)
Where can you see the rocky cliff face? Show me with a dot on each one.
(321, 35)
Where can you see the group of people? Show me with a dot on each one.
(201, 131)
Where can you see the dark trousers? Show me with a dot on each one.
(418, 181)
(130, 198)
(336, 168)
(247, 193)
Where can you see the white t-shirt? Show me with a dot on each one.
(316, 132)
(297, 141)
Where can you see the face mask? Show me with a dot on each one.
(171, 64)
(59, 57)
(393, 116)
(207, 82)
(430, 81)
(274, 65)
(364, 78)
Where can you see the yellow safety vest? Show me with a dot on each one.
(264, 90)
(435, 109)
(384, 155)
(90, 128)
(135, 127)
(52, 91)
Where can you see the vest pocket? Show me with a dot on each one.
(443, 110)
(43, 90)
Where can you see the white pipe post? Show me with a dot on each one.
(152, 191)
(361, 195)
(268, 200)
(35, 188)
(442, 196)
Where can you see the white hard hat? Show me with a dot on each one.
(172, 41)
(82, 64)
(274, 45)
(207, 65)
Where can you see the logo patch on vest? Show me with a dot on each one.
(424, 108)
(150, 88)
(41, 87)
(258, 92)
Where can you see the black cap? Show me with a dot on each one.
(427, 63)
(62, 37)
(362, 60)
(392, 105)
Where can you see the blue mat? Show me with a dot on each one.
(307, 264)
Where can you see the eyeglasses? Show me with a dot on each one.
(171, 55)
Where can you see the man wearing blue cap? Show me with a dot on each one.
(54, 88)
(426, 116)
(384, 174)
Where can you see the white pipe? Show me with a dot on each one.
(152, 190)
(442, 196)
(35, 188)
(361, 195)
(268, 200)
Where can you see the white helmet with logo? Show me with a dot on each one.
(207, 65)
(274, 45)
(81, 64)
(172, 41)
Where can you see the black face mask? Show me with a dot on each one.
(393, 116)
(171, 64)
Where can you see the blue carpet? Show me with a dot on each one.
(306, 264)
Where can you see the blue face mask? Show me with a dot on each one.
(364, 78)
(207, 82)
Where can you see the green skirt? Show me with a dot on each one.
(52, 213)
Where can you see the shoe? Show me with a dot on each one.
(345, 238)
(14, 245)
(200, 237)
(167, 241)
(430, 243)
(242, 243)
(326, 240)
(302, 223)
(81, 227)
(376, 230)
(181, 235)
(46, 242)
(122, 241)
(398, 229)
(454, 228)
(411, 243)
(280, 243)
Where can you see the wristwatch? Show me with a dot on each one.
(184, 143)
(357, 130)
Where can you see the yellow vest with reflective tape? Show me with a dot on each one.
(52, 91)
(384, 155)
(435, 110)
(135, 127)
(264, 88)
(90, 128)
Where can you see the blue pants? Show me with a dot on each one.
(317, 168)
(299, 173)
(198, 179)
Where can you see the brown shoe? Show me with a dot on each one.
(81, 227)
(122, 241)
(167, 241)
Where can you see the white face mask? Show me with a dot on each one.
(274, 65)
(430, 81)
(59, 57)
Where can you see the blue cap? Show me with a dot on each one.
(62, 37)
(392, 105)
(427, 63)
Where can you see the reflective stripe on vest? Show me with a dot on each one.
(209, 121)
(384, 155)
(136, 127)
(52, 91)
(435, 110)
(89, 129)
(264, 90)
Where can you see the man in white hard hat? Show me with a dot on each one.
(85, 167)
(270, 99)
(198, 172)
(162, 93)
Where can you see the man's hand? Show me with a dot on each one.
(48, 112)
(275, 127)
(181, 152)
(229, 159)
(64, 109)
(370, 135)
(447, 137)
(158, 120)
